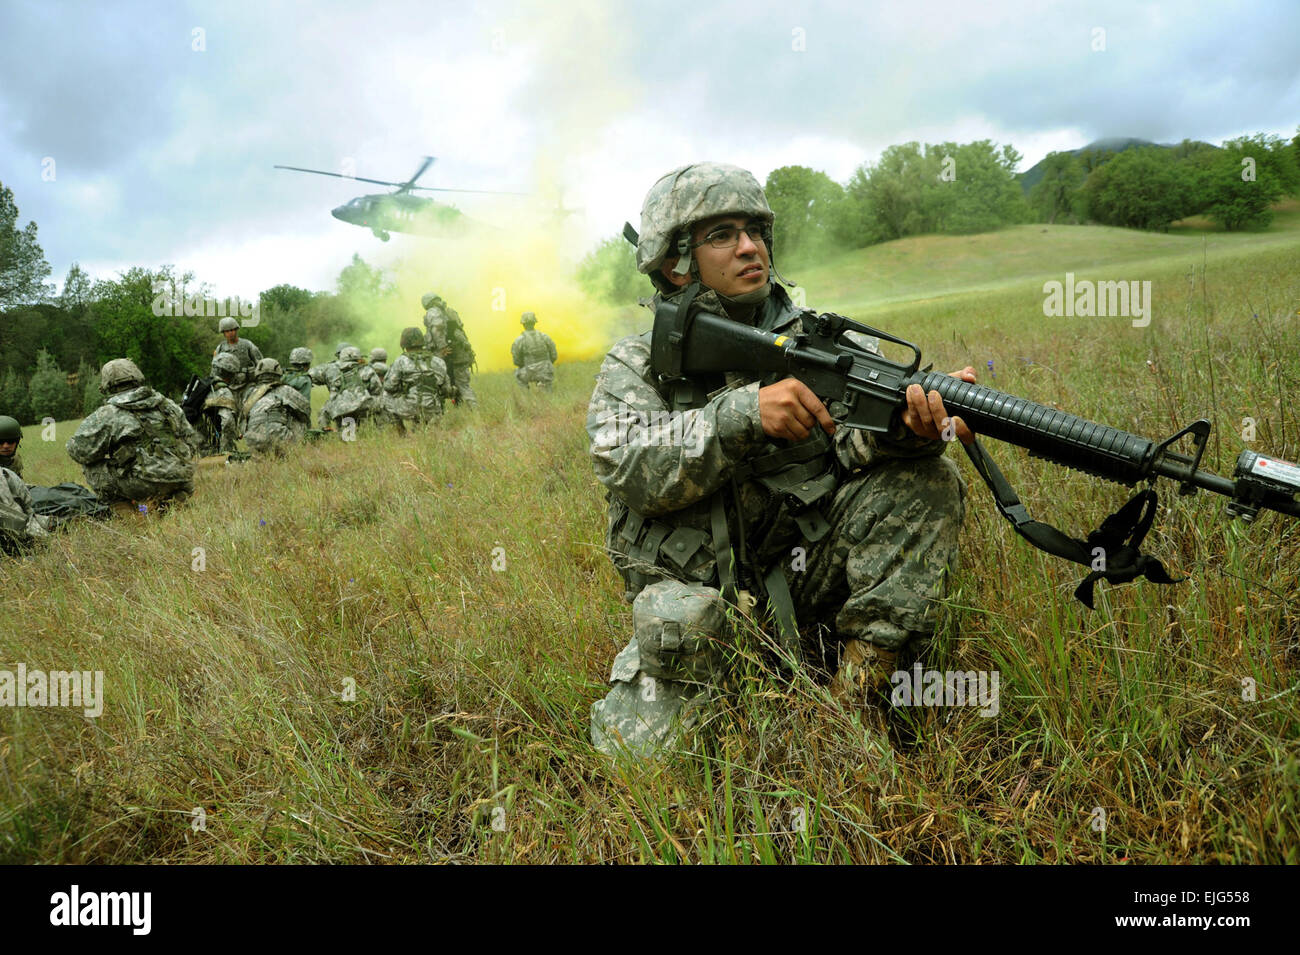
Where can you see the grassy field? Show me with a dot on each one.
(456, 586)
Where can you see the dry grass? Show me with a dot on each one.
(373, 562)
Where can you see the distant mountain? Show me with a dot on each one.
(1115, 144)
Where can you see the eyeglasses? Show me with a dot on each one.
(728, 237)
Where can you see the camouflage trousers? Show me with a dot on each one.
(460, 379)
(541, 373)
(874, 576)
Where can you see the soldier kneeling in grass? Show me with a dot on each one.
(137, 449)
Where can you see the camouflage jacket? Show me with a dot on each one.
(533, 347)
(247, 353)
(462, 352)
(279, 414)
(19, 523)
(663, 468)
(137, 434)
(355, 392)
(416, 384)
(326, 375)
(435, 331)
(301, 382)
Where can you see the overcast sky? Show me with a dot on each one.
(163, 121)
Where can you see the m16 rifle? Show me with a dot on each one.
(863, 389)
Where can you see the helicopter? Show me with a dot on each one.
(400, 211)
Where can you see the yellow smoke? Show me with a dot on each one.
(518, 255)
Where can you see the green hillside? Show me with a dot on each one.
(388, 649)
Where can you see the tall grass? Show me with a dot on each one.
(374, 567)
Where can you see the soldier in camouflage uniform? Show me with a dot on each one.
(417, 383)
(223, 404)
(20, 525)
(246, 353)
(447, 339)
(11, 435)
(300, 376)
(534, 355)
(752, 492)
(278, 415)
(137, 447)
(379, 363)
(327, 376)
(356, 395)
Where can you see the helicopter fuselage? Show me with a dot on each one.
(383, 213)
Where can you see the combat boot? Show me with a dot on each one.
(864, 672)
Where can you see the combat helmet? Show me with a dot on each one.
(428, 299)
(118, 374)
(528, 319)
(10, 429)
(300, 356)
(412, 338)
(350, 353)
(685, 196)
(378, 354)
(225, 366)
(227, 325)
(338, 351)
(268, 369)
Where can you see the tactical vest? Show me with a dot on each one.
(157, 454)
(534, 348)
(462, 353)
(425, 382)
(800, 480)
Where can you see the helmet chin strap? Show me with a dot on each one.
(748, 298)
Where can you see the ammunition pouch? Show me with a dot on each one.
(679, 630)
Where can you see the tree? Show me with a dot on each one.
(88, 383)
(808, 207)
(169, 348)
(23, 268)
(608, 272)
(283, 311)
(13, 397)
(1140, 189)
(1058, 192)
(1247, 177)
(50, 395)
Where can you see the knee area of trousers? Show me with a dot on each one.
(679, 631)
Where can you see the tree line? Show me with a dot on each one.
(958, 188)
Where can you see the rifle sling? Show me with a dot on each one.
(1119, 537)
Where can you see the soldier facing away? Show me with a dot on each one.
(137, 447)
(222, 405)
(447, 340)
(355, 394)
(379, 363)
(11, 435)
(417, 382)
(278, 415)
(327, 376)
(759, 470)
(299, 377)
(534, 355)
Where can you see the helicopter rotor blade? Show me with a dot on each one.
(490, 192)
(410, 183)
(339, 175)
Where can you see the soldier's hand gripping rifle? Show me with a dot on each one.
(864, 390)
